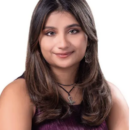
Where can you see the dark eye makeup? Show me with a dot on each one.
(72, 31)
(50, 33)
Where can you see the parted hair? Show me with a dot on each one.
(40, 80)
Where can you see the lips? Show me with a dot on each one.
(63, 55)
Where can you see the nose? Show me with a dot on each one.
(63, 42)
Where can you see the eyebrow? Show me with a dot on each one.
(69, 26)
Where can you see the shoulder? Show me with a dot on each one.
(118, 116)
(117, 95)
(15, 105)
(17, 90)
(16, 85)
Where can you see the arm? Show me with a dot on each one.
(16, 110)
(118, 118)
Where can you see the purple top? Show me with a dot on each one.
(72, 122)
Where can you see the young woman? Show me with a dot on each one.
(63, 87)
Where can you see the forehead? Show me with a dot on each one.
(57, 18)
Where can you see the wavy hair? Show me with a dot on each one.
(41, 82)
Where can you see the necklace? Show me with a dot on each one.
(71, 102)
(66, 84)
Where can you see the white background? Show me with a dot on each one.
(112, 18)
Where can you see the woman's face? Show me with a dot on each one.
(63, 43)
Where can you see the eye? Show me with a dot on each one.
(49, 33)
(74, 31)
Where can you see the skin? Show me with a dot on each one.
(118, 118)
(62, 35)
(16, 109)
(63, 44)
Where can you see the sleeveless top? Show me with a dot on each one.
(72, 122)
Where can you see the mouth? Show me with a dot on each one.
(64, 55)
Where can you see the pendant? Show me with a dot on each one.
(70, 112)
(70, 100)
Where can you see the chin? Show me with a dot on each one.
(65, 65)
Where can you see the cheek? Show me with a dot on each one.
(45, 48)
(81, 45)
(45, 45)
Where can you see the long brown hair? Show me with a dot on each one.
(41, 82)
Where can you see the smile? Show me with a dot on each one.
(63, 55)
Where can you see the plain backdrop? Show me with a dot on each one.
(112, 18)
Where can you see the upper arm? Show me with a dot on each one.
(15, 107)
(118, 118)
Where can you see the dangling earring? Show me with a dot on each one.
(87, 57)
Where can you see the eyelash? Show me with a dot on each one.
(77, 31)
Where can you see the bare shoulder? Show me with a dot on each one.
(16, 85)
(117, 95)
(16, 89)
(118, 118)
(16, 109)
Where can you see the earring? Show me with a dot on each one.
(87, 57)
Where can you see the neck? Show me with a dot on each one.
(65, 75)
